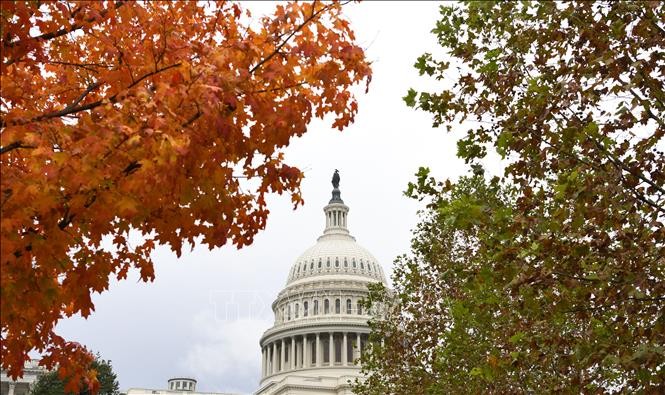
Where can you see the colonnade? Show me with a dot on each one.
(312, 350)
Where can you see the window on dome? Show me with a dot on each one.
(360, 308)
(338, 306)
(369, 266)
(311, 265)
(326, 306)
(328, 262)
(297, 310)
(319, 263)
(362, 265)
(316, 307)
(282, 317)
(336, 262)
(346, 263)
(353, 262)
(348, 306)
(288, 313)
(305, 311)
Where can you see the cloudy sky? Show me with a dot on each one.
(205, 312)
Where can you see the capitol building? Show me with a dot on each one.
(320, 327)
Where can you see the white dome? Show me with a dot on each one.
(336, 254)
(321, 325)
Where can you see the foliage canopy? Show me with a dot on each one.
(164, 118)
(561, 286)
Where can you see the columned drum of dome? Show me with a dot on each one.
(320, 327)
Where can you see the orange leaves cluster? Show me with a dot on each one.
(165, 118)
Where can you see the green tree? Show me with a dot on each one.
(562, 287)
(51, 384)
(439, 322)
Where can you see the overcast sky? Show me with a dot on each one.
(185, 323)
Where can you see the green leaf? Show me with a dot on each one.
(410, 98)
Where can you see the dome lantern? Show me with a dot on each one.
(336, 211)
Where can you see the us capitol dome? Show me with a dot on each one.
(320, 327)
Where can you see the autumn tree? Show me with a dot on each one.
(165, 119)
(51, 384)
(565, 286)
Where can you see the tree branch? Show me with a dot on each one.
(15, 145)
(74, 107)
(288, 38)
(64, 30)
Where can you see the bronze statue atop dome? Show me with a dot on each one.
(335, 179)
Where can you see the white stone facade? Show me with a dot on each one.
(175, 386)
(320, 328)
(21, 386)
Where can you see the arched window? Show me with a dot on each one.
(326, 307)
(311, 265)
(362, 265)
(336, 262)
(346, 263)
(297, 310)
(328, 262)
(369, 266)
(319, 263)
(288, 312)
(283, 316)
(348, 306)
(316, 307)
(305, 306)
(337, 306)
(360, 308)
(353, 262)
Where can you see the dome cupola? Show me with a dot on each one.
(336, 251)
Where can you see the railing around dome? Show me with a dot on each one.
(333, 319)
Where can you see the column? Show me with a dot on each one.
(305, 362)
(11, 388)
(267, 351)
(282, 364)
(344, 350)
(358, 345)
(331, 350)
(274, 358)
(263, 361)
(293, 352)
(319, 355)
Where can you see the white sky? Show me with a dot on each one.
(181, 325)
